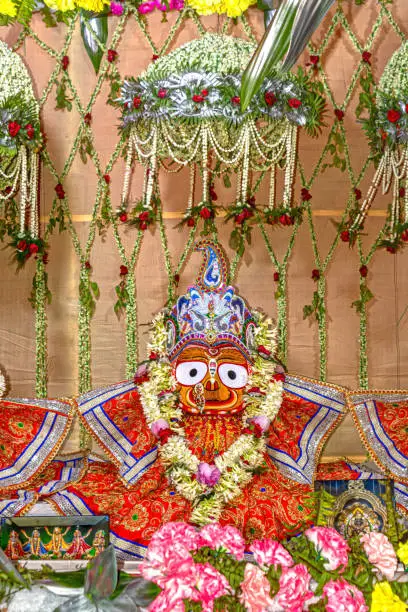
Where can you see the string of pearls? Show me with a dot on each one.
(272, 187)
(34, 166)
(191, 190)
(361, 215)
(152, 173)
(291, 143)
(128, 170)
(204, 142)
(23, 190)
(245, 166)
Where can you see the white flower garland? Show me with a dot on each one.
(160, 401)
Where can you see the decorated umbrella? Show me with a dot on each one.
(20, 142)
(387, 130)
(185, 109)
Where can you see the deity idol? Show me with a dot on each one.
(208, 430)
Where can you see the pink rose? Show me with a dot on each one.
(294, 588)
(331, 545)
(343, 597)
(210, 584)
(208, 474)
(380, 552)
(262, 421)
(116, 8)
(158, 426)
(146, 7)
(270, 552)
(228, 537)
(255, 589)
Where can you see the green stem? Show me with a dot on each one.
(40, 331)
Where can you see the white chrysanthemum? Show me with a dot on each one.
(14, 78)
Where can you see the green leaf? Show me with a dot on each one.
(308, 18)
(94, 28)
(25, 10)
(270, 51)
(95, 289)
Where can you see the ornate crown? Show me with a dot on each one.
(210, 313)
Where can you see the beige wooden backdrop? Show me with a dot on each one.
(388, 319)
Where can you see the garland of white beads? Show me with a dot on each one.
(147, 196)
(291, 143)
(23, 190)
(33, 194)
(204, 143)
(128, 170)
(245, 166)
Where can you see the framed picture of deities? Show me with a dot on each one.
(54, 538)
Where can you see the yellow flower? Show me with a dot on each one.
(235, 8)
(384, 600)
(402, 552)
(61, 5)
(7, 7)
(92, 5)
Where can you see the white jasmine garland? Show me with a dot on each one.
(160, 401)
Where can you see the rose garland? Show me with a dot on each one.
(210, 488)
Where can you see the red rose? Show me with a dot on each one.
(87, 265)
(393, 115)
(123, 270)
(345, 236)
(143, 226)
(88, 118)
(251, 201)
(59, 190)
(197, 98)
(257, 429)
(213, 194)
(315, 274)
(279, 376)
(276, 277)
(140, 378)
(137, 100)
(164, 435)
(65, 62)
(153, 356)
(247, 430)
(123, 217)
(236, 100)
(155, 57)
(162, 93)
(339, 114)
(144, 216)
(29, 131)
(270, 98)
(366, 56)
(112, 55)
(14, 128)
(391, 249)
(240, 218)
(205, 213)
(190, 222)
(294, 103)
(401, 192)
(357, 193)
(204, 92)
(263, 351)
(314, 60)
(177, 278)
(45, 259)
(305, 194)
(33, 248)
(404, 235)
(107, 178)
(363, 271)
(21, 245)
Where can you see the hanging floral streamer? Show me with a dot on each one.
(20, 141)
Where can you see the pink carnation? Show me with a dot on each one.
(255, 589)
(270, 552)
(380, 553)
(146, 7)
(262, 421)
(343, 597)
(210, 584)
(158, 426)
(208, 474)
(228, 537)
(331, 545)
(294, 588)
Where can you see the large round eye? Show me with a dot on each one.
(233, 375)
(190, 372)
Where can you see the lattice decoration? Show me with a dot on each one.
(335, 152)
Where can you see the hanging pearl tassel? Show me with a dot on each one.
(192, 189)
(204, 143)
(33, 195)
(272, 187)
(291, 143)
(405, 177)
(360, 217)
(152, 173)
(23, 190)
(128, 169)
(245, 169)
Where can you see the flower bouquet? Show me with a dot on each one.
(316, 571)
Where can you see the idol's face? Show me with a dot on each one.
(211, 380)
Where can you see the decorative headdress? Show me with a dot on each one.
(210, 313)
